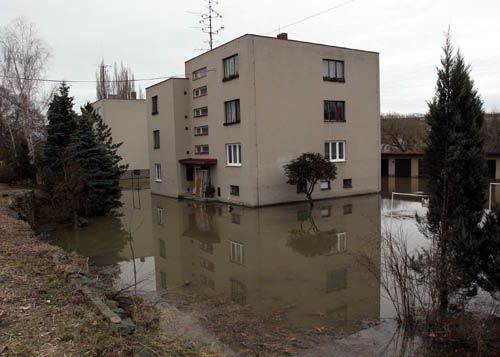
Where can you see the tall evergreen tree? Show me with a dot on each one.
(62, 124)
(456, 166)
(102, 191)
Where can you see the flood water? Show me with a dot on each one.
(269, 258)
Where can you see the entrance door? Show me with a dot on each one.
(403, 168)
(385, 167)
(200, 182)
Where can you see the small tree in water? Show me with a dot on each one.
(306, 170)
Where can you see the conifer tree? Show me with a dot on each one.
(102, 192)
(456, 166)
(62, 124)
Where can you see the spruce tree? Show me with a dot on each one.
(456, 166)
(102, 192)
(61, 125)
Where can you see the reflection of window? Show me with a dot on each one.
(235, 218)
(341, 242)
(163, 249)
(207, 247)
(338, 314)
(348, 209)
(163, 280)
(204, 281)
(159, 211)
(336, 280)
(326, 212)
(237, 255)
(207, 264)
(238, 291)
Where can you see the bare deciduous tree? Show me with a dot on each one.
(23, 59)
(404, 134)
(120, 85)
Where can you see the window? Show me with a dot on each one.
(341, 242)
(326, 212)
(154, 103)
(333, 70)
(301, 187)
(157, 172)
(233, 154)
(200, 73)
(334, 110)
(201, 149)
(207, 264)
(347, 183)
(325, 184)
(230, 68)
(159, 212)
(348, 209)
(234, 190)
(237, 255)
(232, 109)
(200, 92)
(201, 130)
(163, 280)
(200, 112)
(156, 139)
(204, 281)
(335, 151)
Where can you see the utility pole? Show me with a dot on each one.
(208, 19)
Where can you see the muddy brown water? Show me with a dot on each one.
(269, 258)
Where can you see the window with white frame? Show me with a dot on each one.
(230, 67)
(232, 111)
(341, 242)
(159, 212)
(335, 150)
(201, 130)
(200, 112)
(201, 149)
(157, 172)
(237, 254)
(233, 154)
(200, 92)
(333, 70)
(200, 73)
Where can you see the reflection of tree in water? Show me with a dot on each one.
(103, 240)
(309, 240)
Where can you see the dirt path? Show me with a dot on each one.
(41, 314)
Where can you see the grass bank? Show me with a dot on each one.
(42, 314)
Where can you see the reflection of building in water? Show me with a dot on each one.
(275, 257)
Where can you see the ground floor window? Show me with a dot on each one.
(347, 183)
(235, 190)
(325, 184)
(157, 172)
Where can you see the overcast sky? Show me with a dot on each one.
(154, 38)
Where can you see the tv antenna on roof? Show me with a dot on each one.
(208, 20)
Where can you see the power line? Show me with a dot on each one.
(310, 16)
(91, 81)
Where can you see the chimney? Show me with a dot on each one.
(282, 36)
(133, 95)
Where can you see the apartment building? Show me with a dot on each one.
(126, 118)
(248, 107)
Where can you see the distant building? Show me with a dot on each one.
(127, 120)
(250, 106)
